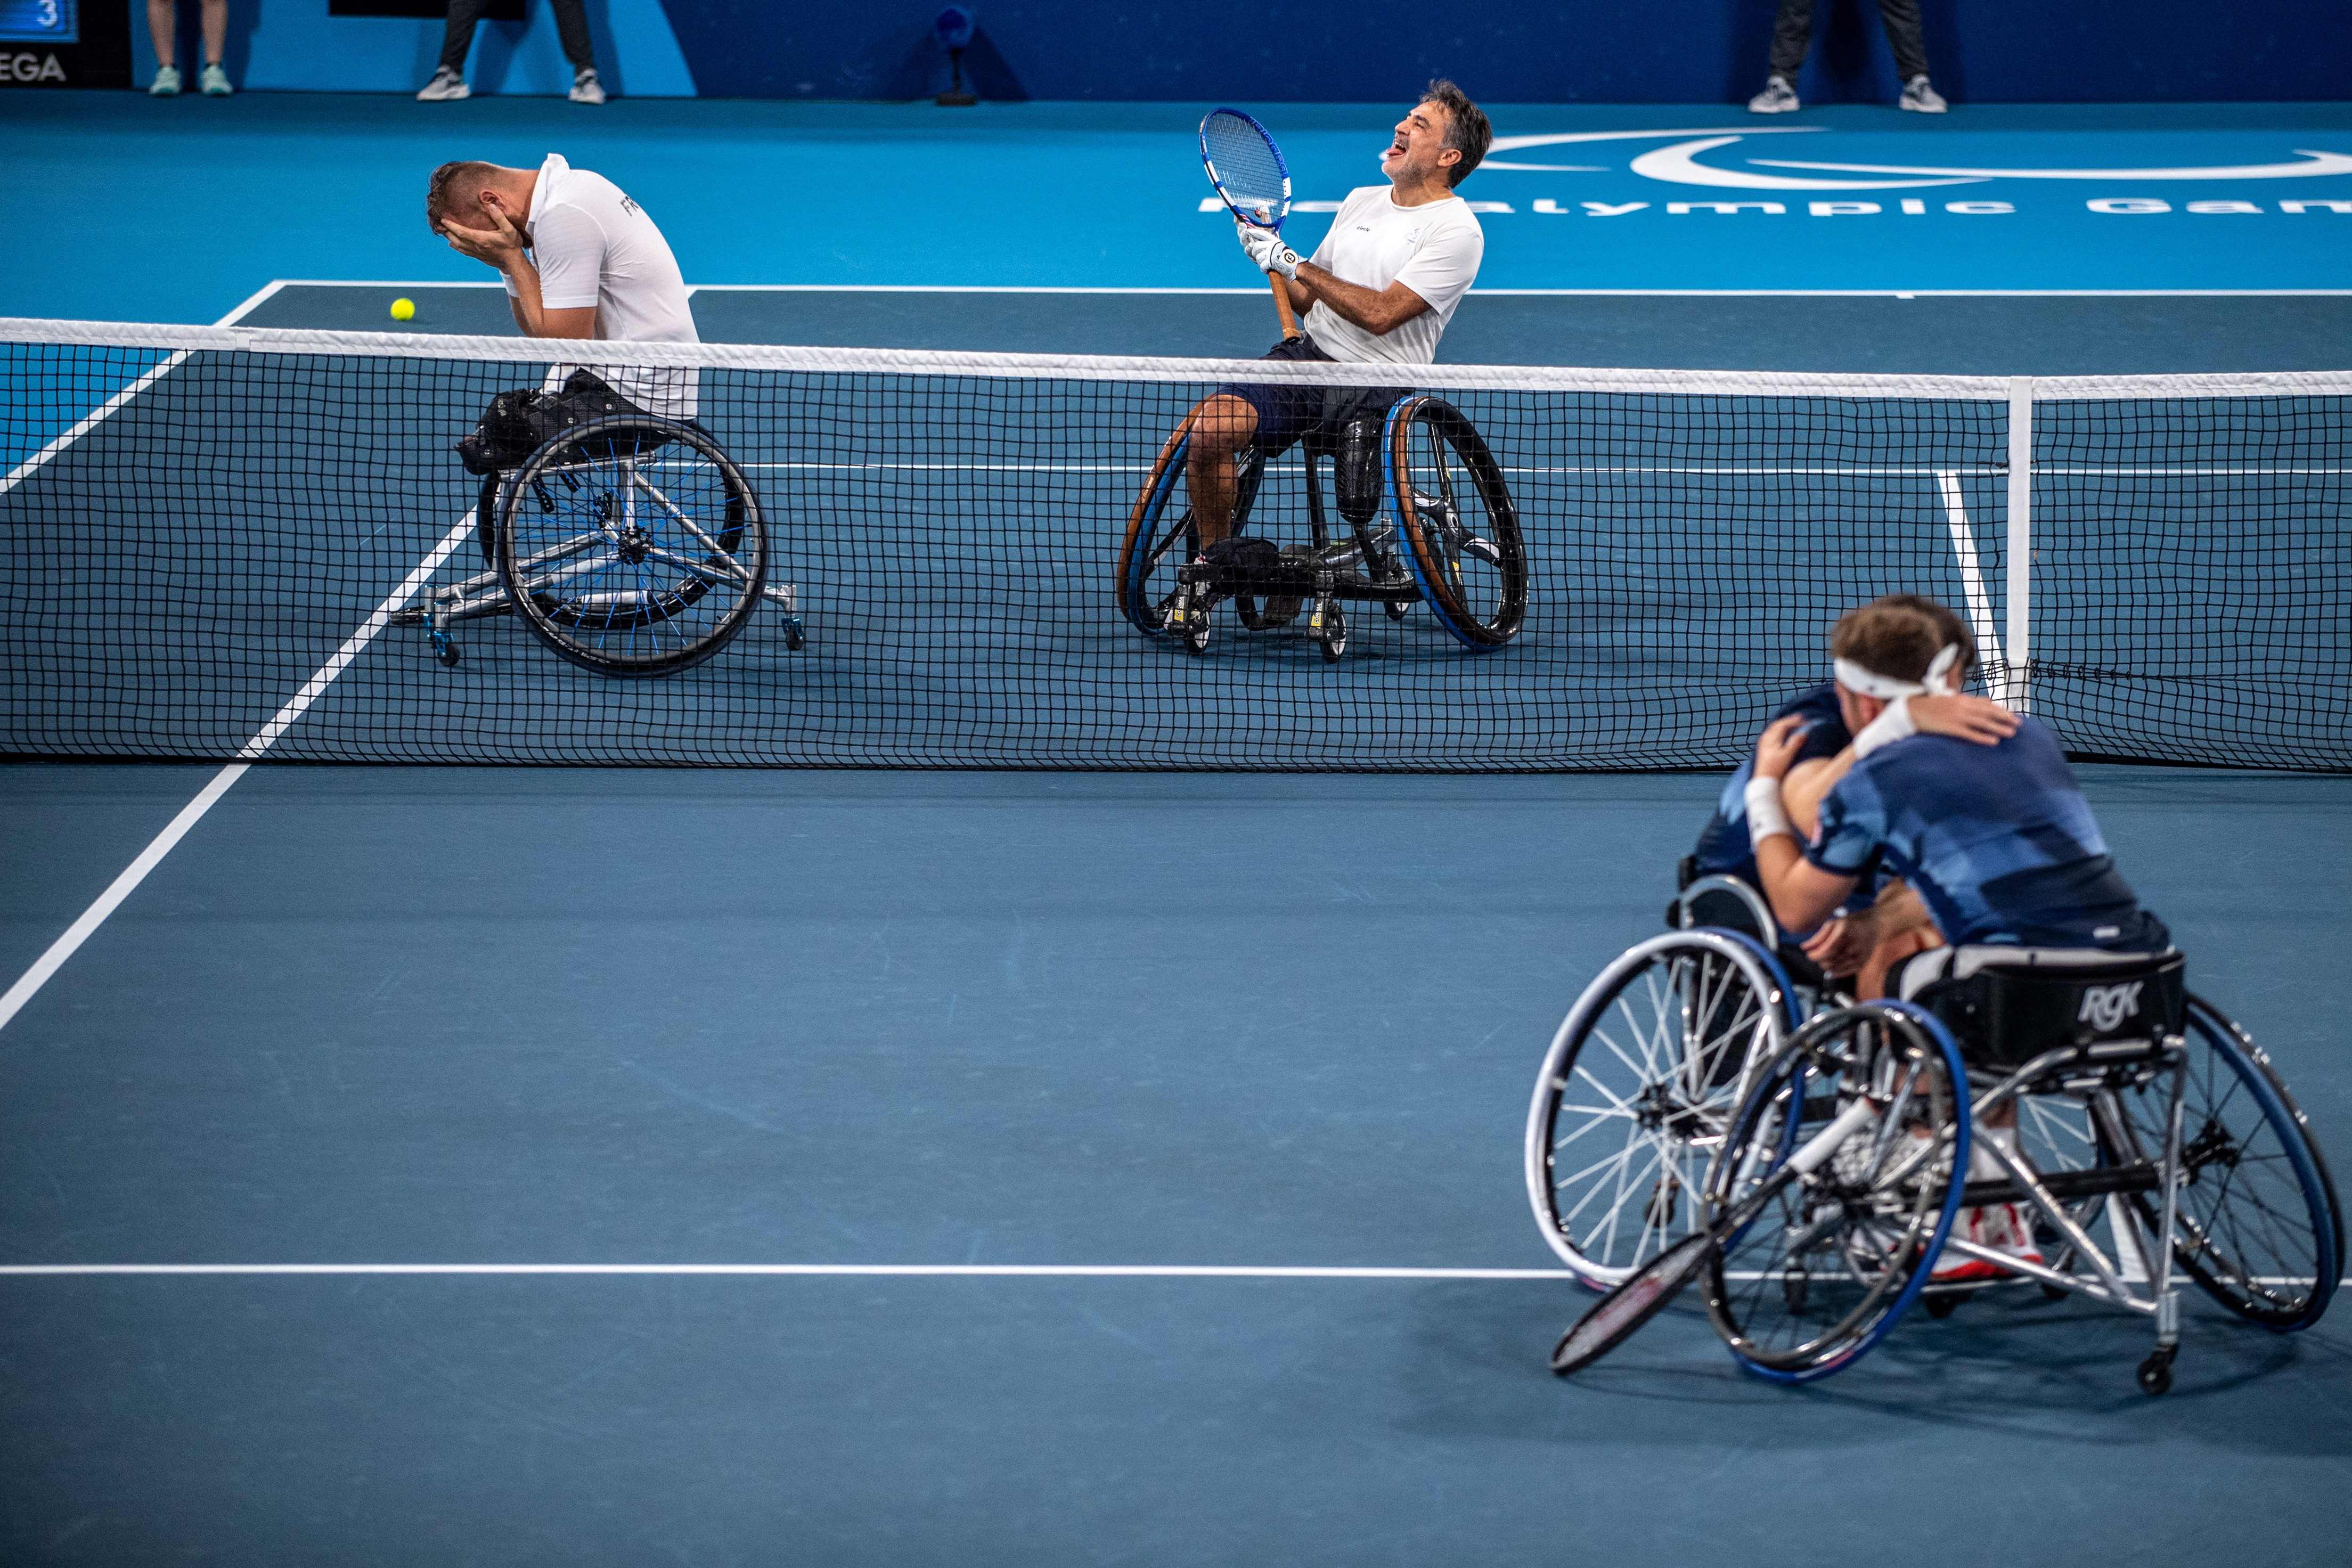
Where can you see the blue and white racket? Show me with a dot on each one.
(1246, 168)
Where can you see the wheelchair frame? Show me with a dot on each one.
(495, 592)
(1394, 563)
(2136, 1173)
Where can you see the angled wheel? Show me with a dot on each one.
(1861, 1228)
(1460, 528)
(1161, 538)
(2261, 1229)
(1636, 1090)
(631, 546)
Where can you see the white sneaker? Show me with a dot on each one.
(213, 81)
(1957, 1269)
(586, 89)
(1780, 97)
(447, 87)
(167, 82)
(1918, 98)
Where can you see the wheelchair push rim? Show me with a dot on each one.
(1458, 523)
(631, 546)
(2261, 1230)
(1638, 1083)
(1837, 1257)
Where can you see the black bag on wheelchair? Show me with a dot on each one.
(518, 423)
(2006, 1014)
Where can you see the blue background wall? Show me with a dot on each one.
(1506, 51)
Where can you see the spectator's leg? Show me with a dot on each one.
(1792, 35)
(1904, 32)
(571, 27)
(162, 23)
(457, 35)
(215, 23)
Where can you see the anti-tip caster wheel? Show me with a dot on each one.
(1940, 1307)
(448, 655)
(1397, 608)
(795, 639)
(2156, 1371)
(2055, 1292)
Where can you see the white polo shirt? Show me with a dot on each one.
(1433, 249)
(594, 245)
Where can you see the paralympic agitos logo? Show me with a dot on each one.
(1678, 163)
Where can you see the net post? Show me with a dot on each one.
(2018, 692)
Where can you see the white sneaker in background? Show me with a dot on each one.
(1780, 97)
(447, 87)
(586, 89)
(1919, 97)
(213, 81)
(167, 82)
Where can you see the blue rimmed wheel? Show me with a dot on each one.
(1457, 520)
(2260, 1228)
(1838, 1255)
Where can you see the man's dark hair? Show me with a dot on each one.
(1466, 131)
(1889, 636)
(1955, 630)
(454, 189)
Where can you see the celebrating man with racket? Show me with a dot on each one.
(1381, 287)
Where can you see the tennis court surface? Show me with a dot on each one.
(1094, 1134)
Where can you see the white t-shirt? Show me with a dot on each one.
(594, 245)
(1433, 249)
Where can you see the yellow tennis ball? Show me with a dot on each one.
(401, 309)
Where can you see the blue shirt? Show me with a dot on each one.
(1997, 840)
(1723, 846)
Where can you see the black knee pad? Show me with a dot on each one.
(1357, 467)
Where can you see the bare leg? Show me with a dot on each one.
(161, 26)
(216, 24)
(1222, 427)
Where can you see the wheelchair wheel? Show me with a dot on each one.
(1635, 1094)
(2261, 1229)
(1161, 538)
(631, 546)
(1461, 529)
(1838, 1255)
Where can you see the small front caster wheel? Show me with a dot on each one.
(2155, 1372)
(449, 655)
(1941, 1307)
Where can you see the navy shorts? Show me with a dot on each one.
(1285, 414)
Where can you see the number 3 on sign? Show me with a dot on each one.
(48, 12)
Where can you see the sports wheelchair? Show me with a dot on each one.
(2151, 1137)
(629, 543)
(1451, 541)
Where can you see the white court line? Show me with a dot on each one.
(52, 959)
(115, 404)
(1972, 582)
(810, 1270)
(860, 1270)
(1719, 470)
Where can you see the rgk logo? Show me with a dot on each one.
(2105, 1006)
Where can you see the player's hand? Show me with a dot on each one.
(1265, 250)
(1978, 720)
(501, 245)
(1840, 945)
(1777, 747)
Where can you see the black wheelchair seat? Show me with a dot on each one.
(2006, 1006)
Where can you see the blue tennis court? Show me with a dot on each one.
(1026, 1162)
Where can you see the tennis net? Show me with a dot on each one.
(222, 543)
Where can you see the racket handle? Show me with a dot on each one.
(1290, 331)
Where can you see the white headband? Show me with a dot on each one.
(1939, 681)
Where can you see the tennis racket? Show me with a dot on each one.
(1246, 168)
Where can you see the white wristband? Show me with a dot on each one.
(1890, 726)
(1765, 815)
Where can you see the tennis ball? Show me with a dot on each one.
(401, 309)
